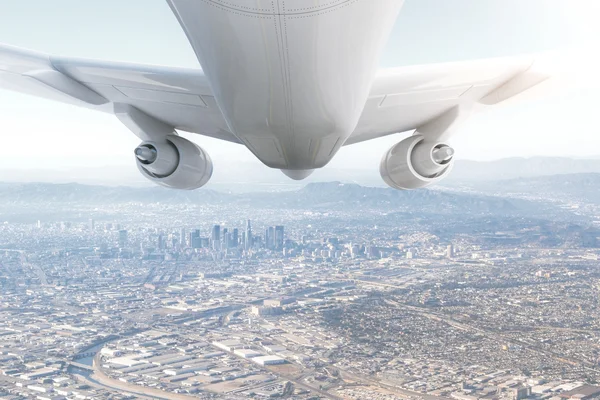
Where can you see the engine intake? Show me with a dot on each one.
(415, 163)
(175, 163)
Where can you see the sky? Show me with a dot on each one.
(40, 134)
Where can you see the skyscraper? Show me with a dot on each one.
(279, 237)
(226, 240)
(182, 237)
(195, 239)
(270, 238)
(235, 239)
(161, 242)
(122, 238)
(450, 251)
(248, 235)
(216, 237)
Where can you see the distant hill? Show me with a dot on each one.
(322, 196)
(512, 168)
(242, 177)
(582, 187)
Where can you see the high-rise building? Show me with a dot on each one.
(225, 236)
(235, 240)
(270, 238)
(248, 244)
(182, 237)
(122, 238)
(216, 237)
(92, 225)
(279, 237)
(226, 240)
(195, 239)
(450, 251)
(204, 243)
(161, 242)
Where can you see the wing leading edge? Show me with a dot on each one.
(406, 98)
(178, 97)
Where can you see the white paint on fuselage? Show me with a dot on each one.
(291, 77)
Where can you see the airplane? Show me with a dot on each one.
(292, 80)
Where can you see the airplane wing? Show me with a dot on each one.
(406, 98)
(400, 100)
(178, 97)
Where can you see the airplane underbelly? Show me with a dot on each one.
(291, 77)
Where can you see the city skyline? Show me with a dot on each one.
(116, 285)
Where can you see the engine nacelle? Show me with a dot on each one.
(175, 163)
(415, 163)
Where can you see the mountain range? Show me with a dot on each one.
(31, 201)
(333, 196)
(252, 176)
(583, 187)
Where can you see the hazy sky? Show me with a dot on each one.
(42, 134)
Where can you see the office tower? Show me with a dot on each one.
(225, 236)
(354, 250)
(226, 240)
(195, 239)
(248, 244)
(92, 225)
(372, 252)
(269, 237)
(216, 237)
(122, 238)
(161, 242)
(182, 237)
(450, 251)
(235, 240)
(278, 237)
(216, 233)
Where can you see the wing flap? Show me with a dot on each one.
(67, 86)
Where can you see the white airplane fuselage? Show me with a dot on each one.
(291, 77)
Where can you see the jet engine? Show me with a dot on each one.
(416, 162)
(174, 162)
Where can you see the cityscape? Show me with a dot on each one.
(299, 200)
(332, 291)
